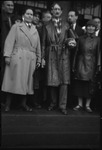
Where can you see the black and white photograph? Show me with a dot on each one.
(50, 74)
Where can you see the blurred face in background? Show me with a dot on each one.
(8, 7)
(36, 19)
(72, 18)
(28, 16)
(46, 17)
(98, 23)
(56, 11)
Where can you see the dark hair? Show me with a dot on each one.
(24, 11)
(37, 13)
(76, 12)
(55, 3)
(3, 2)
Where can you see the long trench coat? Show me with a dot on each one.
(23, 47)
(56, 55)
(87, 58)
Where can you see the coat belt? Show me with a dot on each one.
(24, 48)
(58, 45)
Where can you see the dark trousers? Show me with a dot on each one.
(60, 94)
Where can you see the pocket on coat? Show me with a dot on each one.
(14, 61)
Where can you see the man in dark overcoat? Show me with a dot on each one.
(77, 32)
(6, 23)
(7, 20)
(55, 57)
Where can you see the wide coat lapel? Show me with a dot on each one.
(27, 32)
(52, 32)
(63, 31)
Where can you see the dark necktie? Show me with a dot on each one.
(29, 25)
(73, 32)
(72, 26)
(9, 19)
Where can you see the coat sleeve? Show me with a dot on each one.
(38, 52)
(44, 32)
(76, 55)
(99, 54)
(9, 42)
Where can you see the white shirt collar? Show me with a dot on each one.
(28, 24)
(97, 32)
(74, 25)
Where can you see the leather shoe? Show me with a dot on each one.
(88, 109)
(7, 108)
(77, 108)
(26, 108)
(37, 106)
(64, 111)
(51, 107)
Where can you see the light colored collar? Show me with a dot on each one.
(74, 25)
(96, 33)
(28, 24)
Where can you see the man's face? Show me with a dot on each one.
(46, 17)
(98, 23)
(8, 7)
(56, 11)
(72, 17)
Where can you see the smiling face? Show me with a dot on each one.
(90, 29)
(56, 11)
(8, 7)
(28, 16)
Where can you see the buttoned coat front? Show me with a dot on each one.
(22, 45)
(56, 55)
(87, 58)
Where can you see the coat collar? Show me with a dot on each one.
(26, 31)
(53, 33)
(90, 36)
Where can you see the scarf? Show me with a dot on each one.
(57, 24)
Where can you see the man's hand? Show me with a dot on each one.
(43, 63)
(37, 65)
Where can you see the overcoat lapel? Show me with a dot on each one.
(62, 34)
(51, 31)
(27, 32)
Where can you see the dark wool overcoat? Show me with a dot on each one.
(56, 55)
